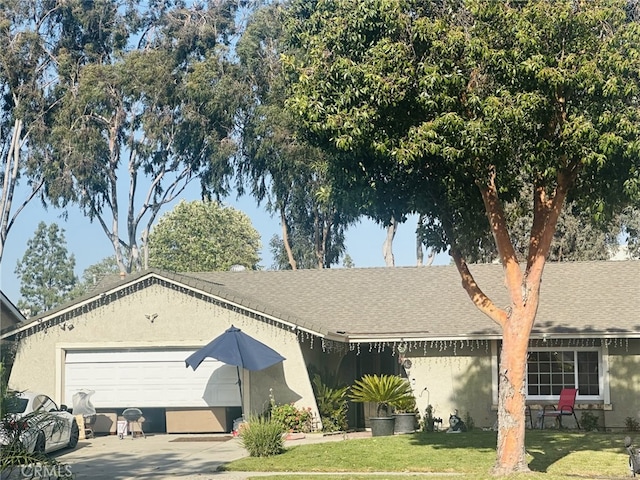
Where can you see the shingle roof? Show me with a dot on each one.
(429, 302)
(577, 299)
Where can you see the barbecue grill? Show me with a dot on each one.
(134, 419)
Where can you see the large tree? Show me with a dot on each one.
(453, 108)
(203, 237)
(154, 111)
(32, 35)
(277, 165)
(45, 271)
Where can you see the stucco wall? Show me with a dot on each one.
(182, 321)
(624, 378)
(451, 381)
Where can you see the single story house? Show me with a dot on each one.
(128, 341)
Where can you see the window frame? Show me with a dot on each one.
(575, 350)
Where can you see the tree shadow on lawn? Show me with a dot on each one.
(543, 447)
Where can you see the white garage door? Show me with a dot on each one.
(149, 378)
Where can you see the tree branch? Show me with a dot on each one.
(498, 226)
(285, 239)
(546, 212)
(477, 296)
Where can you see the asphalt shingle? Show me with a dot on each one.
(369, 304)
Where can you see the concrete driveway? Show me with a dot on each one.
(154, 457)
(161, 456)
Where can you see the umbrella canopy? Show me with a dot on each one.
(234, 347)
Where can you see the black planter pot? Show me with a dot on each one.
(405, 422)
(382, 426)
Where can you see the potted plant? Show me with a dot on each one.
(385, 391)
(405, 413)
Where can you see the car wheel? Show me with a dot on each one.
(41, 444)
(74, 435)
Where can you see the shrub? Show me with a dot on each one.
(589, 421)
(469, 422)
(631, 424)
(332, 405)
(291, 418)
(262, 437)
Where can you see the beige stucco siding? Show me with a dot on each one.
(624, 382)
(181, 321)
(450, 381)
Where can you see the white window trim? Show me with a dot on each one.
(603, 369)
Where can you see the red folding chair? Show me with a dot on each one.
(566, 405)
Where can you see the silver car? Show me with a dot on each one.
(38, 423)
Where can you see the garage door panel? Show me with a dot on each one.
(146, 378)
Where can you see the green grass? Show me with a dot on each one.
(552, 456)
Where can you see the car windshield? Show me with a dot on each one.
(16, 404)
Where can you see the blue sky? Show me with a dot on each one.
(89, 244)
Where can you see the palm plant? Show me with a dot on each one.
(405, 405)
(384, 390)
(332, 405)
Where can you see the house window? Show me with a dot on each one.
(550, 370)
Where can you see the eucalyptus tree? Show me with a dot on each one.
(135, 126)
(277, 165)
(36, 36)
(453, 108)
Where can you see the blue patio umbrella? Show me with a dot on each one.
(234, 347)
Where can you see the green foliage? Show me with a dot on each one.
(631, 424)
(405, 405)
(385, 391)
(469, 422)
(424, 104)
(138, 108)
(45, 271)
(279, 166)
(262, 437)
(292, 418)
(332, 405)
(589, 421)
(203, 236)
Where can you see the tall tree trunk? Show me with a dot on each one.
(285, 240)
(387, 246)
(419, 243)
(511, 455)
(516, 321)
(12, 167)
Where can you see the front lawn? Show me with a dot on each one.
(552, 456)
